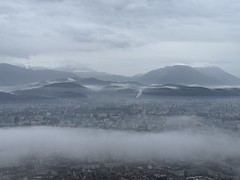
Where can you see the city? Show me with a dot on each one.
(139, 115)
(119, 90)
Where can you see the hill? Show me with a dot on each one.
(222, 76)
(57, 90)
(197, 91)
(13, 75)
(187, 75)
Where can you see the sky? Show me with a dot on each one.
(120, 36)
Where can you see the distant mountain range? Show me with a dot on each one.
(92, 81)
(85, 72)
(185, 75)
(189, 91)
(220, 75)
(73, 90)
(57, 90)
(14, 75)
(170, 81)
(9, 97)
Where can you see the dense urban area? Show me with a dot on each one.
(141, 115)
(126, 115)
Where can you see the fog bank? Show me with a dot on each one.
(80, 143)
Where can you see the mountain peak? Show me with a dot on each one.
(187, 75)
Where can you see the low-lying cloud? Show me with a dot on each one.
(80, 143)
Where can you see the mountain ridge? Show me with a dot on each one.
(15, 75)
(11, 75)
(186, 75)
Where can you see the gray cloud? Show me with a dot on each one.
(84, 31)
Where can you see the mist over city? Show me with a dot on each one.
(117, 89)
(128, 146)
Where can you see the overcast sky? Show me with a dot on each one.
(121, 36)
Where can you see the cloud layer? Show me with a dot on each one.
(120, 33)
(18, 143)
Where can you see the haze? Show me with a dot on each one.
(92, 144)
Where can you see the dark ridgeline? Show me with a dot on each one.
(14, 75)
(191, 91)
(179, 74)
(173, 81)
(187, 75)
(57, 90)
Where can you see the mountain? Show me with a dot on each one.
(222, 76)
(92, 81)
(65, 85)
(120, 90)
(14, 75)
(102, 76)
(86, 72)
(17, 76)
(6, 96)
(111, 77)
(177, 74)
(183, 91)
(187, 75)
(58, 90)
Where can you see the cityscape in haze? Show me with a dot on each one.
(117, 89)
